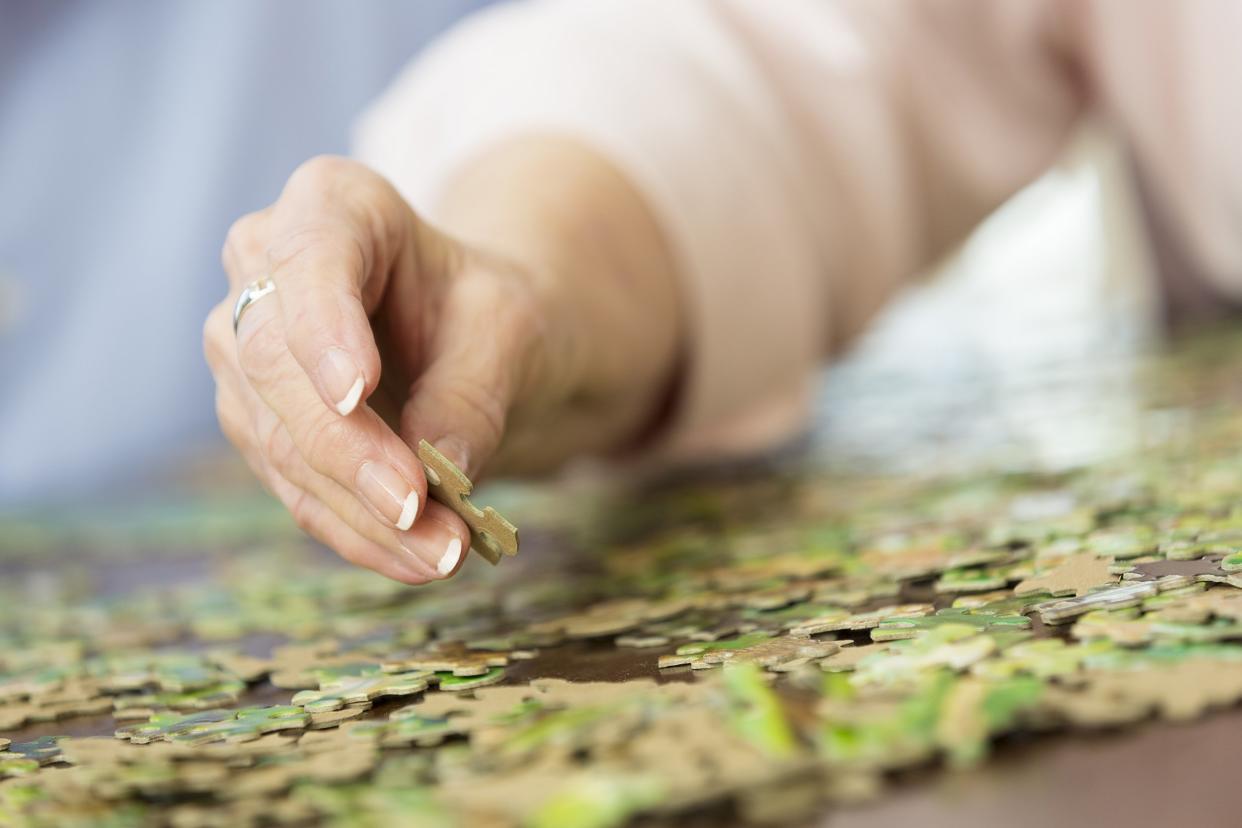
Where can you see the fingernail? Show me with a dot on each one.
(388, 493)
(456, 450)
(435, 545)
(451, 556)
(341, 379)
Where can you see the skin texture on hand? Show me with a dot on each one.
(543, 326)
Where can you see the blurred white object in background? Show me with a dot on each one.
(1018, 351)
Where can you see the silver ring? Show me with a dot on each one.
(250, 294)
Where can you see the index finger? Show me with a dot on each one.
(332, 239)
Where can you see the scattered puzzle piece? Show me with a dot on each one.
(895, 629)
(337, 693)
(203, 698)
(776, 653)
(838, 621)
(952, 646)
(216, 725)
(1076, 574)
(450, 683)
(1120, 597)
(612, 617)
(972, 579)
(45, 750)
(1200, 606)
(1176, 691)
(447, 657)
(1046, 658)
(695, 654)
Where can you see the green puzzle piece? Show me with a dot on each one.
(971, 718)
(1046, 658)
(171, 672)
(344, 672)
(408, 725)
(895, 629)
(947, 646)
(756, 713)
(689, 653)
(16, 766)
(204, 698)
(409, 729)
(335, 694)
(165, 725)
(971, 580)
(450, 683)
(240, 725)
(1122, 543)
(45, 750)
(34, 680)
(566, 726)
(25, 758)
(596, 800)
(1159, 654)
(1013, 605)
(850, 738)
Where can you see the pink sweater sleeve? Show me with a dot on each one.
(807, 157)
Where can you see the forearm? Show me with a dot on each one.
(613, 337)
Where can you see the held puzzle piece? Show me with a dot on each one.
(491, 535)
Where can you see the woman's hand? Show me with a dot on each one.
(552, 334)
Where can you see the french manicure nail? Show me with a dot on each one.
(435, 545)
(341, 379)
(450, 558)
(388, 493)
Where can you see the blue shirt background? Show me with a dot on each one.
(132, 133)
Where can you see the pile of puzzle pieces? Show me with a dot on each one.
(760, 648)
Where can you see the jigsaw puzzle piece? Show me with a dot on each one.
(450, 683)
(25, 758)
(491, 535)
(447, 657)
(895, 629)
(210, 726)
(334, 695)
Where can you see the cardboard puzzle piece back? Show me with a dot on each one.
(491, 535)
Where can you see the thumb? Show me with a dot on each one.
(460, 405)
(489, 346)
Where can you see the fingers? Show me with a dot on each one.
(305, 359)
(325, 509)
(462, 415)
(357, 452)
(329, 244)
(318, 520)
(429, 551)
(331, 240)
(355, 465)
(461, 401)
(311, 514)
